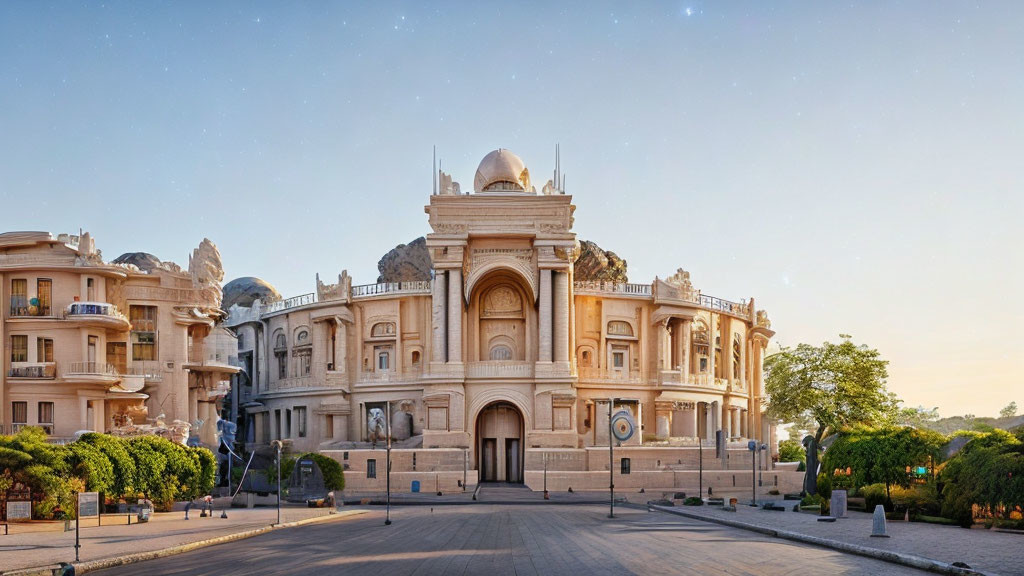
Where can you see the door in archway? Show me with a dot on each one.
(500, 443)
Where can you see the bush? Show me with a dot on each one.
(988, 473)
(693, 501)
(874, 494)
(116, 450)
(801, 467)
(334, 475)
(92, 466)
(825, 485)
(791, 451)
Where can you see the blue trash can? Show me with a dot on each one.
(415, 485)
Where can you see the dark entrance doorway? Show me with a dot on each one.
(499, 432)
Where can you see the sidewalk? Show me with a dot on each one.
(45, 543)
(487, 494)
(983, 550)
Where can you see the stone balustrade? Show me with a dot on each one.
(499, 369)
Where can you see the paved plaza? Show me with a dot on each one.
(512, 539)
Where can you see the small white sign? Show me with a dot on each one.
(19, 510)
(88, 504)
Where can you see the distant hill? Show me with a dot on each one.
(955, 423)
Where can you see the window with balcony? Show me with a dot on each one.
(19, 415)
(44, 296)
(46, 416)
(19, 297)
(19, 348)
(44, 349)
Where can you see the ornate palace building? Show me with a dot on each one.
(502, 360)
(128, 347)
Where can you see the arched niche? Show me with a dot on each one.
(501, 314)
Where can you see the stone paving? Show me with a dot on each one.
(44, 543)
(985, 550)
(496, 540)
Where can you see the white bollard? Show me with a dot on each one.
(878, 522)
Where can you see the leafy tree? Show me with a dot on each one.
(881, 455)
(791, 451)
(92, 466)
(834, 385)
(918, 417)
(116, 450)
(988, 472)
(1009, 411)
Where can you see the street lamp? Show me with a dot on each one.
(611, 461)
(387, 425)
(277, 444)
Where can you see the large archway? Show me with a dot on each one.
(500, 436)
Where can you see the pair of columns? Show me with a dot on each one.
(446, 344)
(736, 423)
(553, 323)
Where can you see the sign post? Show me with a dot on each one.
(87, 504)
(387, 423)
(752, 446)
(621, 428)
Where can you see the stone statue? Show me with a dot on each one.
(376, 425)
(447, 186)
(681, 279)
(401, 421)
(762, 319)
(811, 476)
(207, 271)
(340, 291)
(227, 431)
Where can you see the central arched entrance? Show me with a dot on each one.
(499, 443)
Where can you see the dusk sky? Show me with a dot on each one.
(857, 168)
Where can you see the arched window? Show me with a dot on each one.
(280, 341)
(415, 357)
(620, 328)
(585, 359)
(501, 352)
(303, 337)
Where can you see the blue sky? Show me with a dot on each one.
(857, 168)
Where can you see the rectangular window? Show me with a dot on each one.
(143, 320)
(277, 420)
(329, 426)
(19, 297)
(19, 413)
(383, 361)
(287, 424)
(19, 348)
(44, 293)
(625, 466)
(303, 357)
(371, 468)
(90, 289)
(94, 342)
(300, 421)
(46, 416)
(618, 359)
(44, 349)
(282, 365)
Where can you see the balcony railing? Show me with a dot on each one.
(293, 302)
(713, 303)
(499, 369)
(605, 375)
(416, 287)
(91, 368)
(148, 369)
(612, 288)
(94, 309)
(22, 307)
(38, 371)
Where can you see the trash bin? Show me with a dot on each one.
(415, 485)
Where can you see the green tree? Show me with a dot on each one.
(988, 472)
(1009, 411)
(881, 455)
(334, 474)
(116, 450)
(834, 385)
(918, 417)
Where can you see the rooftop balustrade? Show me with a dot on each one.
(90, 369)
(416, 287)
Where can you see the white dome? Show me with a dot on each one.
(502, 171)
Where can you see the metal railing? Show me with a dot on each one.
(720, 304)
(148, 369)
(415, 287)
(21, 306)
(91, 368)
(38, 370)
(94, 309)
(292, 302)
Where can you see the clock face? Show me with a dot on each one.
(623, 426)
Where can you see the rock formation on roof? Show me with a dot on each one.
(142, 260)
(246, 290)
(595, 264)
(406, 263)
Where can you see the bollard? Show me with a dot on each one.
(878, 523)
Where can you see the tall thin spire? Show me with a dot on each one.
(433, 175)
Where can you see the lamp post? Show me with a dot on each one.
(761, 461)
(387, 425)
(546, 476)
(700, 467)
(752, 446)
(611, 461)
(277, 444)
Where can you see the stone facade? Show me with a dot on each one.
(110, 347)
(504, 362)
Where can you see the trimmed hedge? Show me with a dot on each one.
(154, 467)
(334, 475)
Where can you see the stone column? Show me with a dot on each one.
(340, 346)
(690, 421)
(439, 318)
(663, 419)
(685, 345)
(662, 329)
(544, 321)
(718, 422)
(455, 315)
(561, 319)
